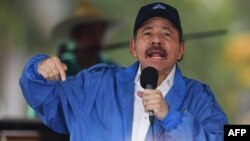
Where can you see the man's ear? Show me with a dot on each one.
(132, 47)
(181, 51)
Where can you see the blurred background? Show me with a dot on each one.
(217, 45)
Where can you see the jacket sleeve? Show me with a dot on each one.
(50, 99)
(200, 119)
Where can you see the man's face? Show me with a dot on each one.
(157, 45)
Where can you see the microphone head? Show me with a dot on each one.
(149, 78)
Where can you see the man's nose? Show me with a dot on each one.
(156, 39)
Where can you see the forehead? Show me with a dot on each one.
(158, 21)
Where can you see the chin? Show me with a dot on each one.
(156, 66)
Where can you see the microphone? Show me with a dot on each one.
(148, 80)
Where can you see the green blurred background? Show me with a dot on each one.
(222, 60)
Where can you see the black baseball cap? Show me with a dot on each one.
(158, 9)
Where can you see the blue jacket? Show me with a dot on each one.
(97, 105)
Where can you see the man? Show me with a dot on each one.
(107, 103)
(81, 38)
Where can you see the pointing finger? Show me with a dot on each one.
(61, 68)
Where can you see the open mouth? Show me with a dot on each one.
(156, 53)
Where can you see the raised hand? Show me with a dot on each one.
(52, 69)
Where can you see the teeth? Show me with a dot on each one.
(156, 55)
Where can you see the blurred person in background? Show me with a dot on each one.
(108, 103)
(81, 38)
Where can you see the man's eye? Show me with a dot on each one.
(166, 34)
(147, 33)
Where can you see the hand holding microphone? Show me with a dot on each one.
(152, 99)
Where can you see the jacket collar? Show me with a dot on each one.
(174, 97)
(125, 96)
(176, 94)
(127, 74)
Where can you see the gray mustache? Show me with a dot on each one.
(156, 49)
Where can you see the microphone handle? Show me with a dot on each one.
(151, 113)
(151, 117)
